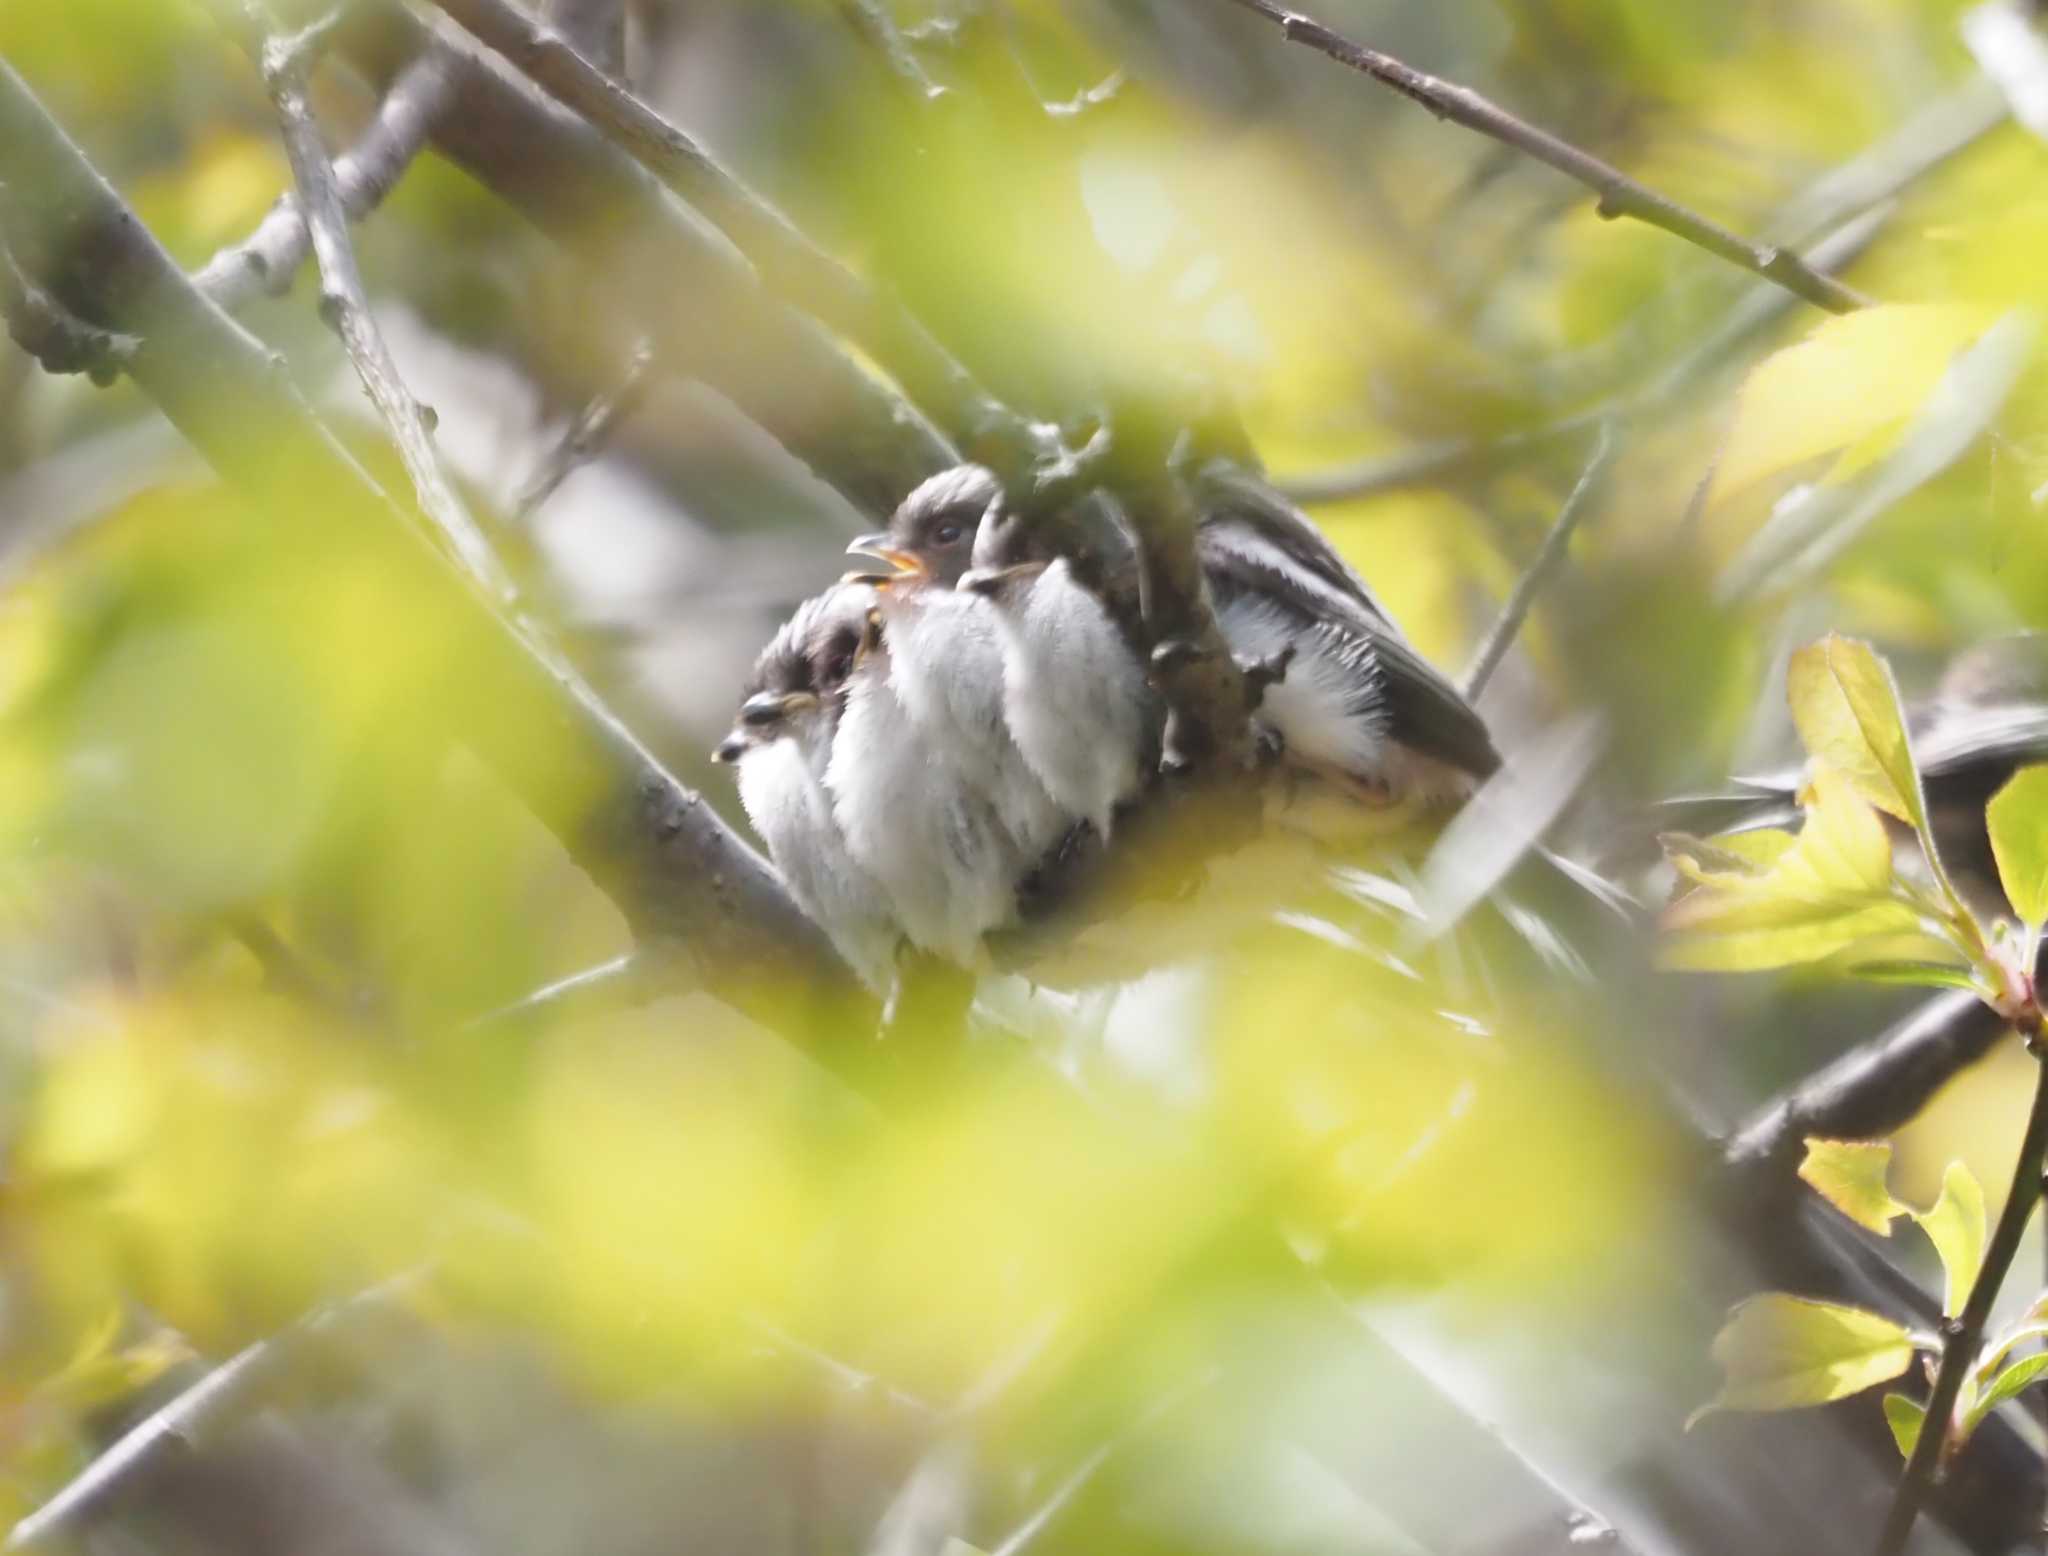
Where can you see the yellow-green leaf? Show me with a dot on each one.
(1955, 1225)
(1849, 1174)
(1904, 1416)
(1780, 1352)
(2006, 1386)
(2018, 821)
(1848, 714)
(1856, 380)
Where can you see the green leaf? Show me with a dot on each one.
(2018, 821)
(1955, 1225)
(1780, 1352)
(2007, 1385)
(1848, 714)
(1904, 1416)
(1917, 974)
(1853, 384)
(1827, 892)
(1708, 861)
(1849, 1174)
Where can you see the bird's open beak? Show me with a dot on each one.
(882, 549)
(992, 581)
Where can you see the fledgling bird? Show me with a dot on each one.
(946, 654)
(914, 817)
(1074, 692)
(780, 747)
(1357, 704)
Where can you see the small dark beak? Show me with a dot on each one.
(989, 582)
(883, 549)
(730, 749)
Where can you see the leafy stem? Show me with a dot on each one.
(1963, 1335)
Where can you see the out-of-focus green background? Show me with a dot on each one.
(1332, 1240)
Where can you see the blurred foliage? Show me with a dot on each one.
(257, 911)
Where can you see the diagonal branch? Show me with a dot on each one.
(1619, 194)
(790, 262)
(677, 873)
(346, 307)
(54, 335)
(265, 261)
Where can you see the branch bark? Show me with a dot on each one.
(677, 873)
(1619, 194)
(265, 262)
(651, 257)
(792, 265)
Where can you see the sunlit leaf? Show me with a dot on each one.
(1914, 974)
(2007, 1385)
(2017, 818)
(1955, 1225)
(1904, 1416)
(1828, 894)
(1855, 381)
(1850, 1175)
(1780, 1352)
(1848, 714)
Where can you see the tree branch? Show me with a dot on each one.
(596, 29)
(346, 308)
(265, 262)
(790, 262)
(653, 257)
(586, 433)
(677, 873)
(1874, 1089)
(1619, 194)
(1500, 636)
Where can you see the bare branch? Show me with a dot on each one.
(871, 19)
(677, 873)
(1500, 637)
(790, 262)
(346, 308)
(2008, 47)
(265, 262)
(587, 433)
(596, 29)
(1619, 194)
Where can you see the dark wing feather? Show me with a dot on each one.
(1287, 562)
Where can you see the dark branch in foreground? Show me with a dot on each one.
(677, 873)
(1875, 1089)
(1619, 194)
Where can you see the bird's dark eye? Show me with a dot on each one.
(949, 533)
(837, 669)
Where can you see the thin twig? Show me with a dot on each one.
(790, 262)
(265, 262)
(587, 433)
(1501, 636)
(1962, 1336)
(596, 29)
(1619, 194)
(346, 307)
(871, 19)
(192, 1418)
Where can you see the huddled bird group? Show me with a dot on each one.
(921, 742)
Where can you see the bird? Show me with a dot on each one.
(946, 653)
(1357, 704)
(780, 746)
(1075, 693)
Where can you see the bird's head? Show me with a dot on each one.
(931, 535)
(803, 672)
